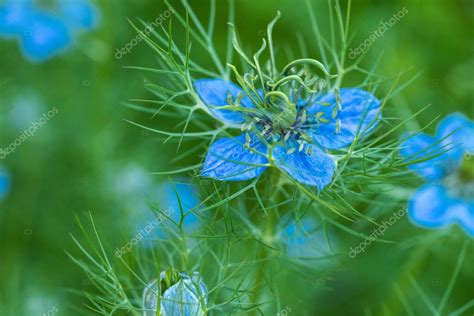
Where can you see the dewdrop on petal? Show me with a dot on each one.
(180, 295)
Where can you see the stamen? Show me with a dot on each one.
(338, 126)
(301, 147)
(266, 128)
(303, 116)
(247, 141)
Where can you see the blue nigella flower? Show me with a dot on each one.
(43, 34)
(294, 138)
(448, 195)
(177, 293)
(4, 183)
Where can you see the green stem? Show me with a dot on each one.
(268, 233)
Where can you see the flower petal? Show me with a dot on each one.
(215, 92)
(359, 114)
(150, 298)
(456, 133)
(180, 299)
(44, 37)
(316, 169)
(432, 207)
(423, 145)
(14, 17)
(80, 13)
(183, 298)
(227, 159)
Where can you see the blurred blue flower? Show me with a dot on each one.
(80, 13)
(181, 295)
(14, 17)
(169, 203)
(44, 37)
(42, 34)
(448, 196)
(306, 238)
(27, 107)
(294, 139)
(4, 183)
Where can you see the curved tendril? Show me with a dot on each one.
(309, 61)
(278, 94)
(296, 78)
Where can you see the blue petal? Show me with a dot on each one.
(4, 184)
(360, 113)
(316, 169)
(181, 299)
(432, 207)
(227, 159)
(14, 18)
(196, 285)
(424, 146)
(215, 92)
(80, 13)
(150, 298)
(44, 37)
(456, 133)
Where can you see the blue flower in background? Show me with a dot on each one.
(14, 17)
(306, 238)
(293, 139)
(42, 34)
(4, 183)
(44, 37)
(80, 13)
(154, 225)
(448, 196)
(179, 295)
(27, 107)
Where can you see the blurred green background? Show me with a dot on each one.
(87, 158)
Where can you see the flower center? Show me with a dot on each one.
(467, 170)
(280, 117)
(460, 184)
(287, 128)
(171, 278)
